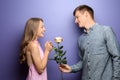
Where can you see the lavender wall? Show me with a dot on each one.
(58, 20)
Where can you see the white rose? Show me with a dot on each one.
(58, 39)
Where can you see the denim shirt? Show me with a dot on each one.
(99, 54)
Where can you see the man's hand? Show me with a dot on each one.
(65, 68)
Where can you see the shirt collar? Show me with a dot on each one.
(91, 28)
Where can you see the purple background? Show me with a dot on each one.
(58, 20)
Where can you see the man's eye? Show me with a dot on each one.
(76, 18)
(41, 26)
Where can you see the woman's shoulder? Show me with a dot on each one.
(32, 45)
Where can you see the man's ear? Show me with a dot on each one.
(86, 13)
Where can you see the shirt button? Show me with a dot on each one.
(89, 77)
(89, 69)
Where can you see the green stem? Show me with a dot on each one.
(61, 75)
(59, 53)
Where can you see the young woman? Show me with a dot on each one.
(31, 50)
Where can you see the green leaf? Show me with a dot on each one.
(60, 47)
(65, 52)
(64, 58)
(55, 55)
(54, 48)
(64, 61)
(58, 60)
(55, 58)
(60, 51)
(60, 54)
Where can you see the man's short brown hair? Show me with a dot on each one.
(84, 8)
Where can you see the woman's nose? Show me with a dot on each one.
(44, 29)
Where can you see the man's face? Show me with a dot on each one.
(80, 19)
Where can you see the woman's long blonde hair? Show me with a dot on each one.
(30, 34)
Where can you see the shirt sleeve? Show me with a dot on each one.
(78, 66)
(114, 50)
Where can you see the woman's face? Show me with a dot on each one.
(41, 29)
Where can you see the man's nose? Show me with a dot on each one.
(76, 21)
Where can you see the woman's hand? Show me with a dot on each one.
(48, 46)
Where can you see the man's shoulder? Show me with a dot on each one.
(104, 27)
(107, 28)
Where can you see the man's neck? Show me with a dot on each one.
(89, 25)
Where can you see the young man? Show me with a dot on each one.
(98, 47)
